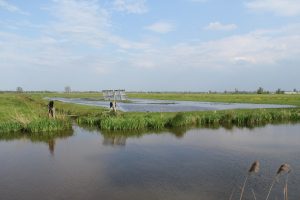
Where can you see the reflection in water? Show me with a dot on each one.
(119, 137)
(174, 164)
(47, 138)
(51, 144)
(179, 132)
(117, 140)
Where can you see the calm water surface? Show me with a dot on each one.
(206, 164)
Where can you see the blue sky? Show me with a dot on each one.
(150, 45)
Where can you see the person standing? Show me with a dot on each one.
(51, 109)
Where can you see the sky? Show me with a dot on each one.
(150, 45)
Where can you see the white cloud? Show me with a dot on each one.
(38, 54)
(77, 35)
(279, 7)
(11, 8)
(46, 55)
(256, 49)
(85, 22)
(131, 6)
(160, 27)
(126, 44)
(102, 70)
(79, 21)
(19, 24)
(217, 26)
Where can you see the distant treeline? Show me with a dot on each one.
(45, 91)
(260, 90)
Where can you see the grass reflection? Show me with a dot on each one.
(48, 138)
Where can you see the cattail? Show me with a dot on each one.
(253, 169)
(284, 168)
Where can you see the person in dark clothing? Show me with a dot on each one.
(111, 105)
(51, 109)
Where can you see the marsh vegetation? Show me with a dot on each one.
(21, 113)
(27, 112)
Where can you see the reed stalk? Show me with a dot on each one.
(253, 169)
(253, 194)
(284, 168)
(285, 190)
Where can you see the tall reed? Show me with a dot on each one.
(253, 169)
(283, 169)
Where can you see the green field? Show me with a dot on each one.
(283, 99)
(27, 112)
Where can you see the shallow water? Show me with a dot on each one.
(147, 105)
(180, 164)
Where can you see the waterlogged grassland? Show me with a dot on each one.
(283, 99)
(28, 112)
(228, 118)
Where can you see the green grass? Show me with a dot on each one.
(227, 98)
(21, 113)
(68, 108)
(28, 112)
(159, 121)
(90, 95)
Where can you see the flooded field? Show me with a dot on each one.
(208, 164)
(146, 105)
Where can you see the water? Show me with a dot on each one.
(147, 105)
(180, 164)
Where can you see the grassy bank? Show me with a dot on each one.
(21, 113)
(158, 121)
(28, 112)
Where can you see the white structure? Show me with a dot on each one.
(118, 95)
(290, 92)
